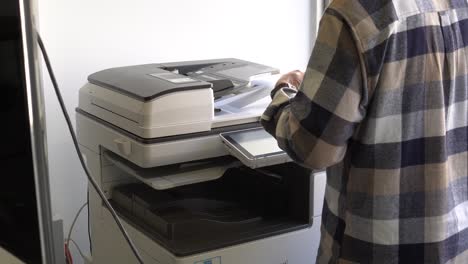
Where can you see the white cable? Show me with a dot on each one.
(74, 222)
(84, 256)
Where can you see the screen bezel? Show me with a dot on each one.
(228, 137)
(37, 127)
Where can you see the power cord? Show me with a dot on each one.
(80, 155)
(74, 222)
(89, 228)
(67, 241)
(87, 258)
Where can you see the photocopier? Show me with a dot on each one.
(179, 152)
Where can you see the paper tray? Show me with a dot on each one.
(255, 148)
(171, 176)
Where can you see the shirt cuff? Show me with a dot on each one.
(279, 87)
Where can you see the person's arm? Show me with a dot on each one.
(313, 124)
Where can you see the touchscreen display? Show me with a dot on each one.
(256, 142)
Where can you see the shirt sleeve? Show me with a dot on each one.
(314, 124)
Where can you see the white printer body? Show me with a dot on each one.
(179, 151)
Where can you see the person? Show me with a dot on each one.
(383, 105)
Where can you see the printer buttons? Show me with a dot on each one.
(124, 146)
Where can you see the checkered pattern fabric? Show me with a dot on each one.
(384, 107)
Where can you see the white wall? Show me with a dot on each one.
(89, 35)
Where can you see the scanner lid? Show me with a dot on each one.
(147, 82)
(255, 148)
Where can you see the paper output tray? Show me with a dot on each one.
(255, 148)
(171, 176)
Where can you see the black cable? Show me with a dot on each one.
(89, 228)
(80, 155)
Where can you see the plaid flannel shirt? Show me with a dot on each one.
(384, 107)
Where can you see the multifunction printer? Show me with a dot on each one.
(179, 152)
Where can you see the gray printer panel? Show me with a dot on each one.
(145, 82)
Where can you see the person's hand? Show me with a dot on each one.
(293, 78)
